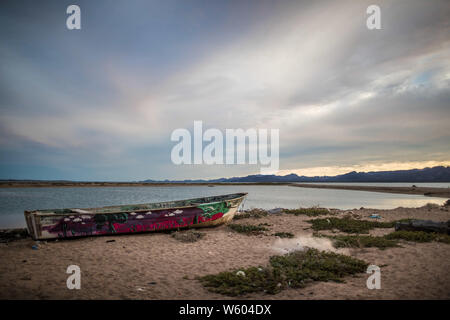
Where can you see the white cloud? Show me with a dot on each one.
(365, 167)
(338, 92)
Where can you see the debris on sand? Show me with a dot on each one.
(188, 236)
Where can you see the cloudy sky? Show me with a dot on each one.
(100, 103)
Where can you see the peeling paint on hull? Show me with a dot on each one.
(68, 223)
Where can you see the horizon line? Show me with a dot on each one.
(206, 180)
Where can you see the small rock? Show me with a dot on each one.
(275, 211)
(110, 240)
(240, 273)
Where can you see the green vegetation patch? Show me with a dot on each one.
(252, 213)
(418, 236)
(243, 281)
(264, 224)
(188, 236)
(359, 241)
(284, 234)
(388, 241)
(8, 235)
(299, 267)
(248, 229)
(293, 270)
(348, 225)
(310, 212)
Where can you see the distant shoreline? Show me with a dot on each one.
(426, 191)
(49, 184)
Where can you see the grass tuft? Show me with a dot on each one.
(293, 270)
(248, 229)
(188, 236)
(230, 283)
(300, 267)
(388, 241)
(284, 234)
(310, 212)
(252, 213)
(8, 235)
(431, 206)
(348, 225)
(344, 241)
(418, 236)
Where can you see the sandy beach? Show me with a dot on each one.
(157, 266)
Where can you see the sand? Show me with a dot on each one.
(157, 266)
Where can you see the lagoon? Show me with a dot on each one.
(13, 201)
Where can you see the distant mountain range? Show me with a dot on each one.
(435, 174)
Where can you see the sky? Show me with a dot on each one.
(101, 103)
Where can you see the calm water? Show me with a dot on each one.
(15, 200)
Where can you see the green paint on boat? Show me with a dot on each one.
(211, 209)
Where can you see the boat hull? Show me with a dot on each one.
(191, 213)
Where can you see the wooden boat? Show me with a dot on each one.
(171, 215)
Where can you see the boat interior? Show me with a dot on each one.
(145, 206)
